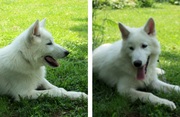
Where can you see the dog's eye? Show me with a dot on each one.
(144, 45)
(131, 48)
(50, 43)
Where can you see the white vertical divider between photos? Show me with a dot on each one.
(90, 58)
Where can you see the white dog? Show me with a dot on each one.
(131, 64)
(22, 70)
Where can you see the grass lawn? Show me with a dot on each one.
(106, 101)
(67, 21)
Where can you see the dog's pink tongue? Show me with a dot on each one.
(52, 61)
(141, 73)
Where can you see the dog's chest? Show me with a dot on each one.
(33, 79)
(21, 81)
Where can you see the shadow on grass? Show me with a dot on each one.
(79, 49)
(82, 29)
(169, 61)
(43, 106)
(170, 56)
(108, 103)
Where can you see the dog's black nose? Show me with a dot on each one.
(66, 53)
(137, 63)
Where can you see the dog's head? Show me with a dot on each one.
(40, 47)
(139, 44)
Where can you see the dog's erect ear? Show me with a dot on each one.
(33, 33)
(42, 23)
(124, 32)
(35, 28)
(149, 28)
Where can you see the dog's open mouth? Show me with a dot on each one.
(51, 61)
(142, 71)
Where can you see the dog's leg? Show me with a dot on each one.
(71, 94)
(47, 85)
(146, 97)
(34, 94)
(54, 91)
(50, 90)
(162, 86)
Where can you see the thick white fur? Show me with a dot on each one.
(22, 68)
(114, 64)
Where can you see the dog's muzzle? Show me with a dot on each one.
(52, 61)
(141, 69)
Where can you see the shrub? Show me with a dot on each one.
(119, 4)
(175, 2)
(145, 3)
(98, 4)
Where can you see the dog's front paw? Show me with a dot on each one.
(76, 95)
(160, 71)
(79, 95)
(85, 96)
(169, 104)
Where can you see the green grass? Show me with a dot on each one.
(106, 101)
(67, 21)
